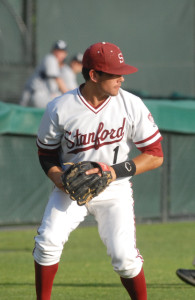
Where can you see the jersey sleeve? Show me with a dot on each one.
(49, 134)
(145, 130)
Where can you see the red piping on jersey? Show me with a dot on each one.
(149, 138)
(53, 145)
(96, 109)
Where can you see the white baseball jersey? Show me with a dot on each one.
(105, 133)
(42, 87)
(47, 70)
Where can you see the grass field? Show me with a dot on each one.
(85, 271)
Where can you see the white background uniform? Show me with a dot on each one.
(42, 87)
(69, 77)
(105, 134)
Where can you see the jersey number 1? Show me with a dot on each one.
(115, 154)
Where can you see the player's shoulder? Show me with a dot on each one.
(50, 59)
(129, 97)
(50, 56)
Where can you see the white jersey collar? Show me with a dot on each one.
(91, 107)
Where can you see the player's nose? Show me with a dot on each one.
(122, 79)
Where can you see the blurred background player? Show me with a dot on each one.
(46, 82)
(70, 71)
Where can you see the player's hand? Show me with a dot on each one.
(97, 171)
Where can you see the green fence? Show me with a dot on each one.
(163, 194)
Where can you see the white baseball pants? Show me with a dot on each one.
(113, 210)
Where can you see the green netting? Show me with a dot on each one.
(174, 116)
(147, 193)
(182, 175)
(16, 119)
(24, 187)
(13, 33)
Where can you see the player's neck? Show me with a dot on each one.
(92, 95)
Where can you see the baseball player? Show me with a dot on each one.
(46, 82)
(70, 71)
(99, 121)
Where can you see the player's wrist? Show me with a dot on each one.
(113, 173)
(124, 169)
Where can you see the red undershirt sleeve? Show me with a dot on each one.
(154, 149)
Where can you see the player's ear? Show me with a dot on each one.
(93, 75)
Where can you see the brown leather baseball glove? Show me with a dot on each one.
(83, 187)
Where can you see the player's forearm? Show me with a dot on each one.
(140, 164)
(145, 162)
(55, 174)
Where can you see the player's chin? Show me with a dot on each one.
(115, 91)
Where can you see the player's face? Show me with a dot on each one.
(109, 84)
(61, 55)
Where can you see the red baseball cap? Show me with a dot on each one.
(108, 58)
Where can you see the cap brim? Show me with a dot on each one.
(123, 70)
